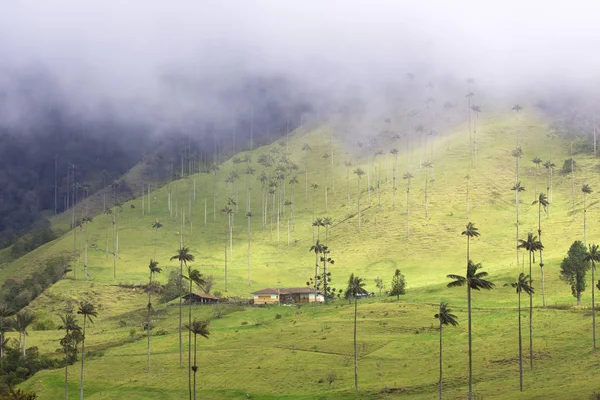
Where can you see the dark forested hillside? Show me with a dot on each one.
(53, 159)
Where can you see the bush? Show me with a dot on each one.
(278, 316)
(566, 168)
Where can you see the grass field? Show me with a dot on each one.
(398, 340)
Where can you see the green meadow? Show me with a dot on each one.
(289, 351)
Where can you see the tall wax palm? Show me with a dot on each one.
(523, 284)
(194, 277)
(154, 269)
(306, 148)
(518, 189)
(407, 176)
(531, 244)
(445, 317)
(184, 257)
(249, 171)
(249, 215)
(314, 187)
(467, 178)
(549, 165)
(73, 332)
(326, 157)
(473, 281)
(327, 222)
(394, 152)
(348, 165)
(476, 109)
(21, 322)
(156, 225)
(537, 161)
(542, 201)
(227, 211)
(427, 165)
(197, 328)
(586, 189)
(292, 182)
(107, 212)
(87, 310)
(359, 173)
(355, 288)
(517, 153)
(593, 256)
(470, 232)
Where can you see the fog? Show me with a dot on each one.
(172, 64)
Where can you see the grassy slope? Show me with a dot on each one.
(434, 249)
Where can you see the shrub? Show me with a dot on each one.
(278, 316)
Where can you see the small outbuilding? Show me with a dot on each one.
(287, 296)
(201, 298)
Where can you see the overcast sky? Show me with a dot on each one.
(121, 51)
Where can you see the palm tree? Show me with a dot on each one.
(522, 285)
(72, 330)
(107, 212)
(517, 108)
(467, 178)
(21, 322)
(518, 189)
(249, 215)
(394, 151)
(327, 222)
(87, 310)
(473, 281)
(359, 173)
(477, 110)
(292, 182)
(314, 186)
(446, 318)
(469, 232)
(183, 256)
(326, 156)
(537, 161)
(427, 165)
(517, 153)
(197, 328)
(586, 189)
(549, 165)
(408, 176)
(156, 225)
(593, 256)
(194, 277)
(348, 165)
(355, 288)
(154, 269)
(542, 201)
(531, 245)
(306, 148)
(228, 211)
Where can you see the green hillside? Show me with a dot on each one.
(398, 339)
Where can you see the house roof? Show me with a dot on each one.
(203, 295)
(302, 290)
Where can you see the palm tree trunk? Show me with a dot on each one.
(426, 193)
(67, 370)
(148, 319)
(517, 211)
(25, 340)
(180, 313)
(82, 359)
(593, 304)
(358, 203)
(355, 354)
(470, 344)
(541, 251)
(530, 318)
(468, 248)
(440, 359)
(195, 365)
(584, 215)
(190, 337)
(520, 348)
(248, 251)
(467, 199)
(155, 240)
(407, 214)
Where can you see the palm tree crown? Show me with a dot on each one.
(183, 255)
(445, 316)
(475, 280)
(471, 230)
(523, 285)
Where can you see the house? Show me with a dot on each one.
(287, 295)
(201, 298)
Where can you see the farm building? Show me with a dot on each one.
(201, 298)
(287, 295)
